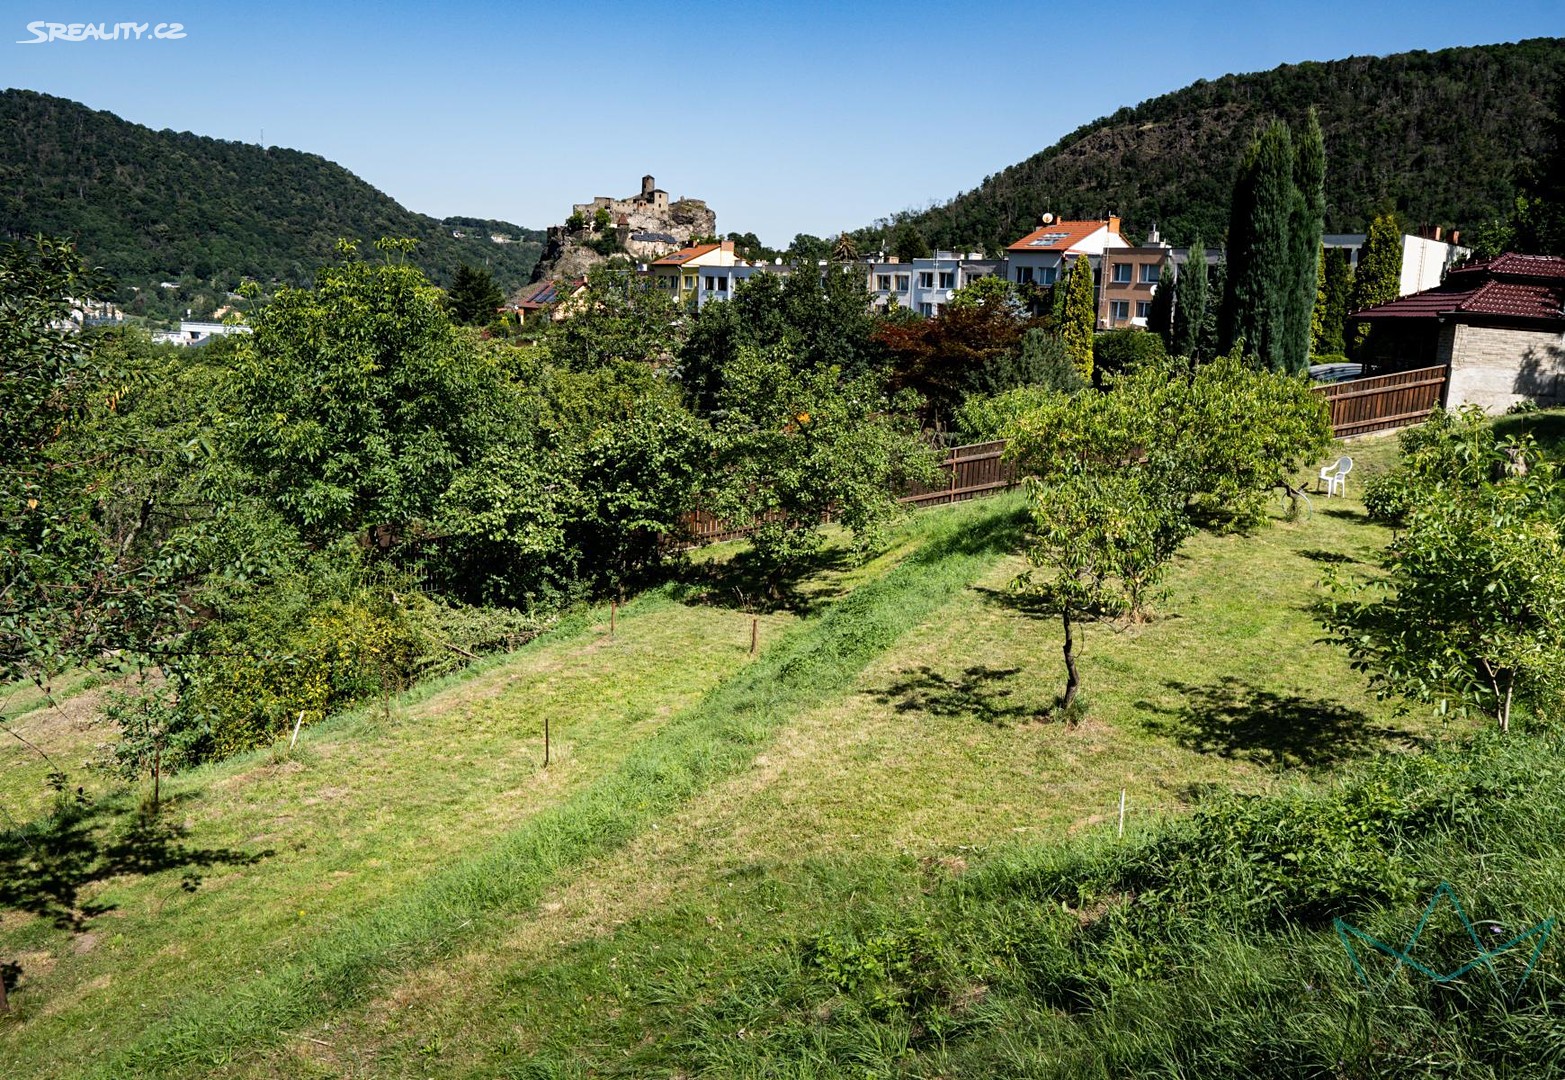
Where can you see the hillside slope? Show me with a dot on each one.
(1438, 135)
(144, 203)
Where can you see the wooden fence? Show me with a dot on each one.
(1380, 402)
(970, 472)
(1357, 407)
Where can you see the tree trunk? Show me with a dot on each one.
(1072, 680)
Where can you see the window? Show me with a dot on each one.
(947, 279)
(1151, 273)
(1024, 275)
(1119, 310)
(902, 280)
(1121, 274)
(882, 282)
(926, 279)
(1143, 308)
(690, 281)
(926, 309)
(1050, 274)
(711, 283)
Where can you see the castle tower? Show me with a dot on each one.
(648, 186)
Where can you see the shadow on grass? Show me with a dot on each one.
(980, 692)
(1233, 719)
(1343, 513)
(1330, 557)
(741, 584)
(1545, 425)
(46, 865)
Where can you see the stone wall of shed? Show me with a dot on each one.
(1495, 367)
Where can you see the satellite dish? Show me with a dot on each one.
(1048, 219)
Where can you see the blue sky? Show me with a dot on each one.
(802, 117)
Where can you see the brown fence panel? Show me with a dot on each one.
(1381, 402)
(970, 472)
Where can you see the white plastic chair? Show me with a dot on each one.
(1335, 477)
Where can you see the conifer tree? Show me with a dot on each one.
(1080, 319)
(1339, 285)
(1160, 312)
(1304, 229)
(474, 296)
(1318, 312)
(1379, 276)
(1261, 270)
(1190, 303)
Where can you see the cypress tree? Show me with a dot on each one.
(1378, 279)
(1262, 273)
(1304, 229)
(1318, 312)
(1339, 284)
(1190, 303)
(1080, 316)
(1160, 312)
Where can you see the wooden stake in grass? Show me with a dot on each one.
(157, 773)
(296, 724)
(546, 740)
(613, 615)
(1121, 812)
(5, 1002)
(755, 632)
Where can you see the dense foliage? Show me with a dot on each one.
(1470, 610)
(1443, 135)
(150, 206)
(1274, 237)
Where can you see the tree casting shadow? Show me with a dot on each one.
(740, 584)
(980, 692)
(1330, 557)
(46, 865)
(1234, 719)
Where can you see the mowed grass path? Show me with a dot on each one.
(936, 756)
(365, 809)
(385, 847)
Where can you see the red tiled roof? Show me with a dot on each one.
(543, 293)
(1506, 286)
(1512, 265)
(1060, 236)
(684, 255)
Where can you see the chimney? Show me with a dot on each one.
(727, 245)
(1438, 231)
(1113, 223)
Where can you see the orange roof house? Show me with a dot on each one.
(1040, 257)
(679, 273)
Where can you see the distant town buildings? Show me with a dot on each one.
(195, 332)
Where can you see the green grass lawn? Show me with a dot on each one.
(411, 894)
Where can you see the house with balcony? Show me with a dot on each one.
(1127, 279)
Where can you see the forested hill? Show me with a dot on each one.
(1438, 136)
(147, 204)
